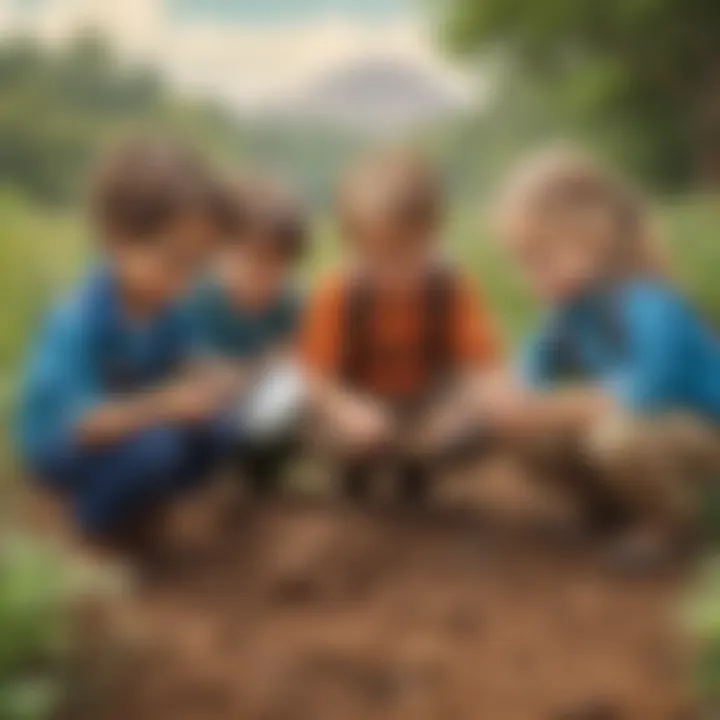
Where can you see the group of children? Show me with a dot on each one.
(141, 380)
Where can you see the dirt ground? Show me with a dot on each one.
(311, 610)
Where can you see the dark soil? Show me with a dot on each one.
(319, 611)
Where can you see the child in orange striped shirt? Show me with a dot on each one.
(391, 338)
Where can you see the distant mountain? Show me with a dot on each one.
(374, 95)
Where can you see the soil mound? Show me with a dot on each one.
(307, 611)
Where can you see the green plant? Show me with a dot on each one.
(36, 589)
(650, 64)
(703, 622)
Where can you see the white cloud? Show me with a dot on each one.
(244, 65)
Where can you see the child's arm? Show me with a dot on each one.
(655, 365)
(477, 342)
(515, 410)
(567, 408)
(115, 419)
(654, 321)
(231, 376)
(185, 401)
(356, 421)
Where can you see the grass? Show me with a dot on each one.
(701, 617)
(37, 587)
(39, 252)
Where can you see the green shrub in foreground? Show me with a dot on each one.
(703, 622)
(36, 588)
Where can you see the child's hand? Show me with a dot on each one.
(364, 425)
(229, 380)
(192, 400)
(224, 378)
(510, 408)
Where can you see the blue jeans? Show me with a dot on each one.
(109, 486)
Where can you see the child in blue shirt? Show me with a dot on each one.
(105, 417)
(245, 314)
(623, 374)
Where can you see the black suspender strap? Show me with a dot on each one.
(356, 330)
(359, 348)
(439, 301)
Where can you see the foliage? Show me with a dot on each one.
(35, 590)
(653, 63)
(60, 106)
(702, 617)
(527, 111)
(38, 250)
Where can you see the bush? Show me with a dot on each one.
(36, 589)
(703, 619)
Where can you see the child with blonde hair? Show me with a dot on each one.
(622, 378)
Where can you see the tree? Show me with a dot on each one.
(60, 106)
(656, 63)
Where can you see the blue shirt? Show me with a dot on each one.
(223, 328)
(88, 351)
(641, 341)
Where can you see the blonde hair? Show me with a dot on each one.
(397, 185)
(558, 181)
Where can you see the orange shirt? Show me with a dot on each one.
(398, 323)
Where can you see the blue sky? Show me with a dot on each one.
(269, 11)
